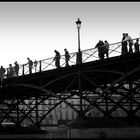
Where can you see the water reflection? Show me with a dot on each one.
(56, 131)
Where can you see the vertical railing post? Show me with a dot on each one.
(40, 66)
(37, 115)
(23, 69)
(131, 113)
(106, 105)
(80, 94)
(79, 57)
(18, 124)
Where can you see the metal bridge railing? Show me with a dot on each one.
(87, 56)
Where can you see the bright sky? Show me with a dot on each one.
(36, 29)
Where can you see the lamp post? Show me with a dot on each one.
(79, 61)
(79, 55)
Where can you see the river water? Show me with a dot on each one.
(119, 132)
(65, 132)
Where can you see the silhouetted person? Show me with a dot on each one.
(67, 57)
(16, 68)
(57, 59)
(136, 46)
(10, 71)
(100, 46)
(130, 41)
(2, 71)
(30, 63)
(106, 48)
(124, 45)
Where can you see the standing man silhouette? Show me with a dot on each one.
(16, 68)
(67, 57)
(124, 50)
(30, 62)
(130, 41)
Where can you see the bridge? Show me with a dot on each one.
(105, 86)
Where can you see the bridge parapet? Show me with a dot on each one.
(88, 55)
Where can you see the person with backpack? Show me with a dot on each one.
(67, 57)
(57, 59)
(30, 63)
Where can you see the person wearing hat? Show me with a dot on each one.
(67, 57)
(16, 68)
(124, 49)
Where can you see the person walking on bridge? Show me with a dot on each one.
(2, 71)
(57, 59)
(124, 50)
(30, 63)
(16, 68)
(67, 57)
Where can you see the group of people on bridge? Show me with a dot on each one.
(13, 71)
(58, 56)
(126, 43)
(127, 40)
(102, 46)
(103, 49)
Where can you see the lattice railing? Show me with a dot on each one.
(87, 56)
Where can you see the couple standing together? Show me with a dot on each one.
(126, 39)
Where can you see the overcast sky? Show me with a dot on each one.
(36, 29)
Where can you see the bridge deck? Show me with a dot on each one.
(99, 71)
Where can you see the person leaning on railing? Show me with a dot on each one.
(67, 57)
(57, 59)
(100, 46)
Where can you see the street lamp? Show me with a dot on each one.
(79, 54)
(79, 61)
